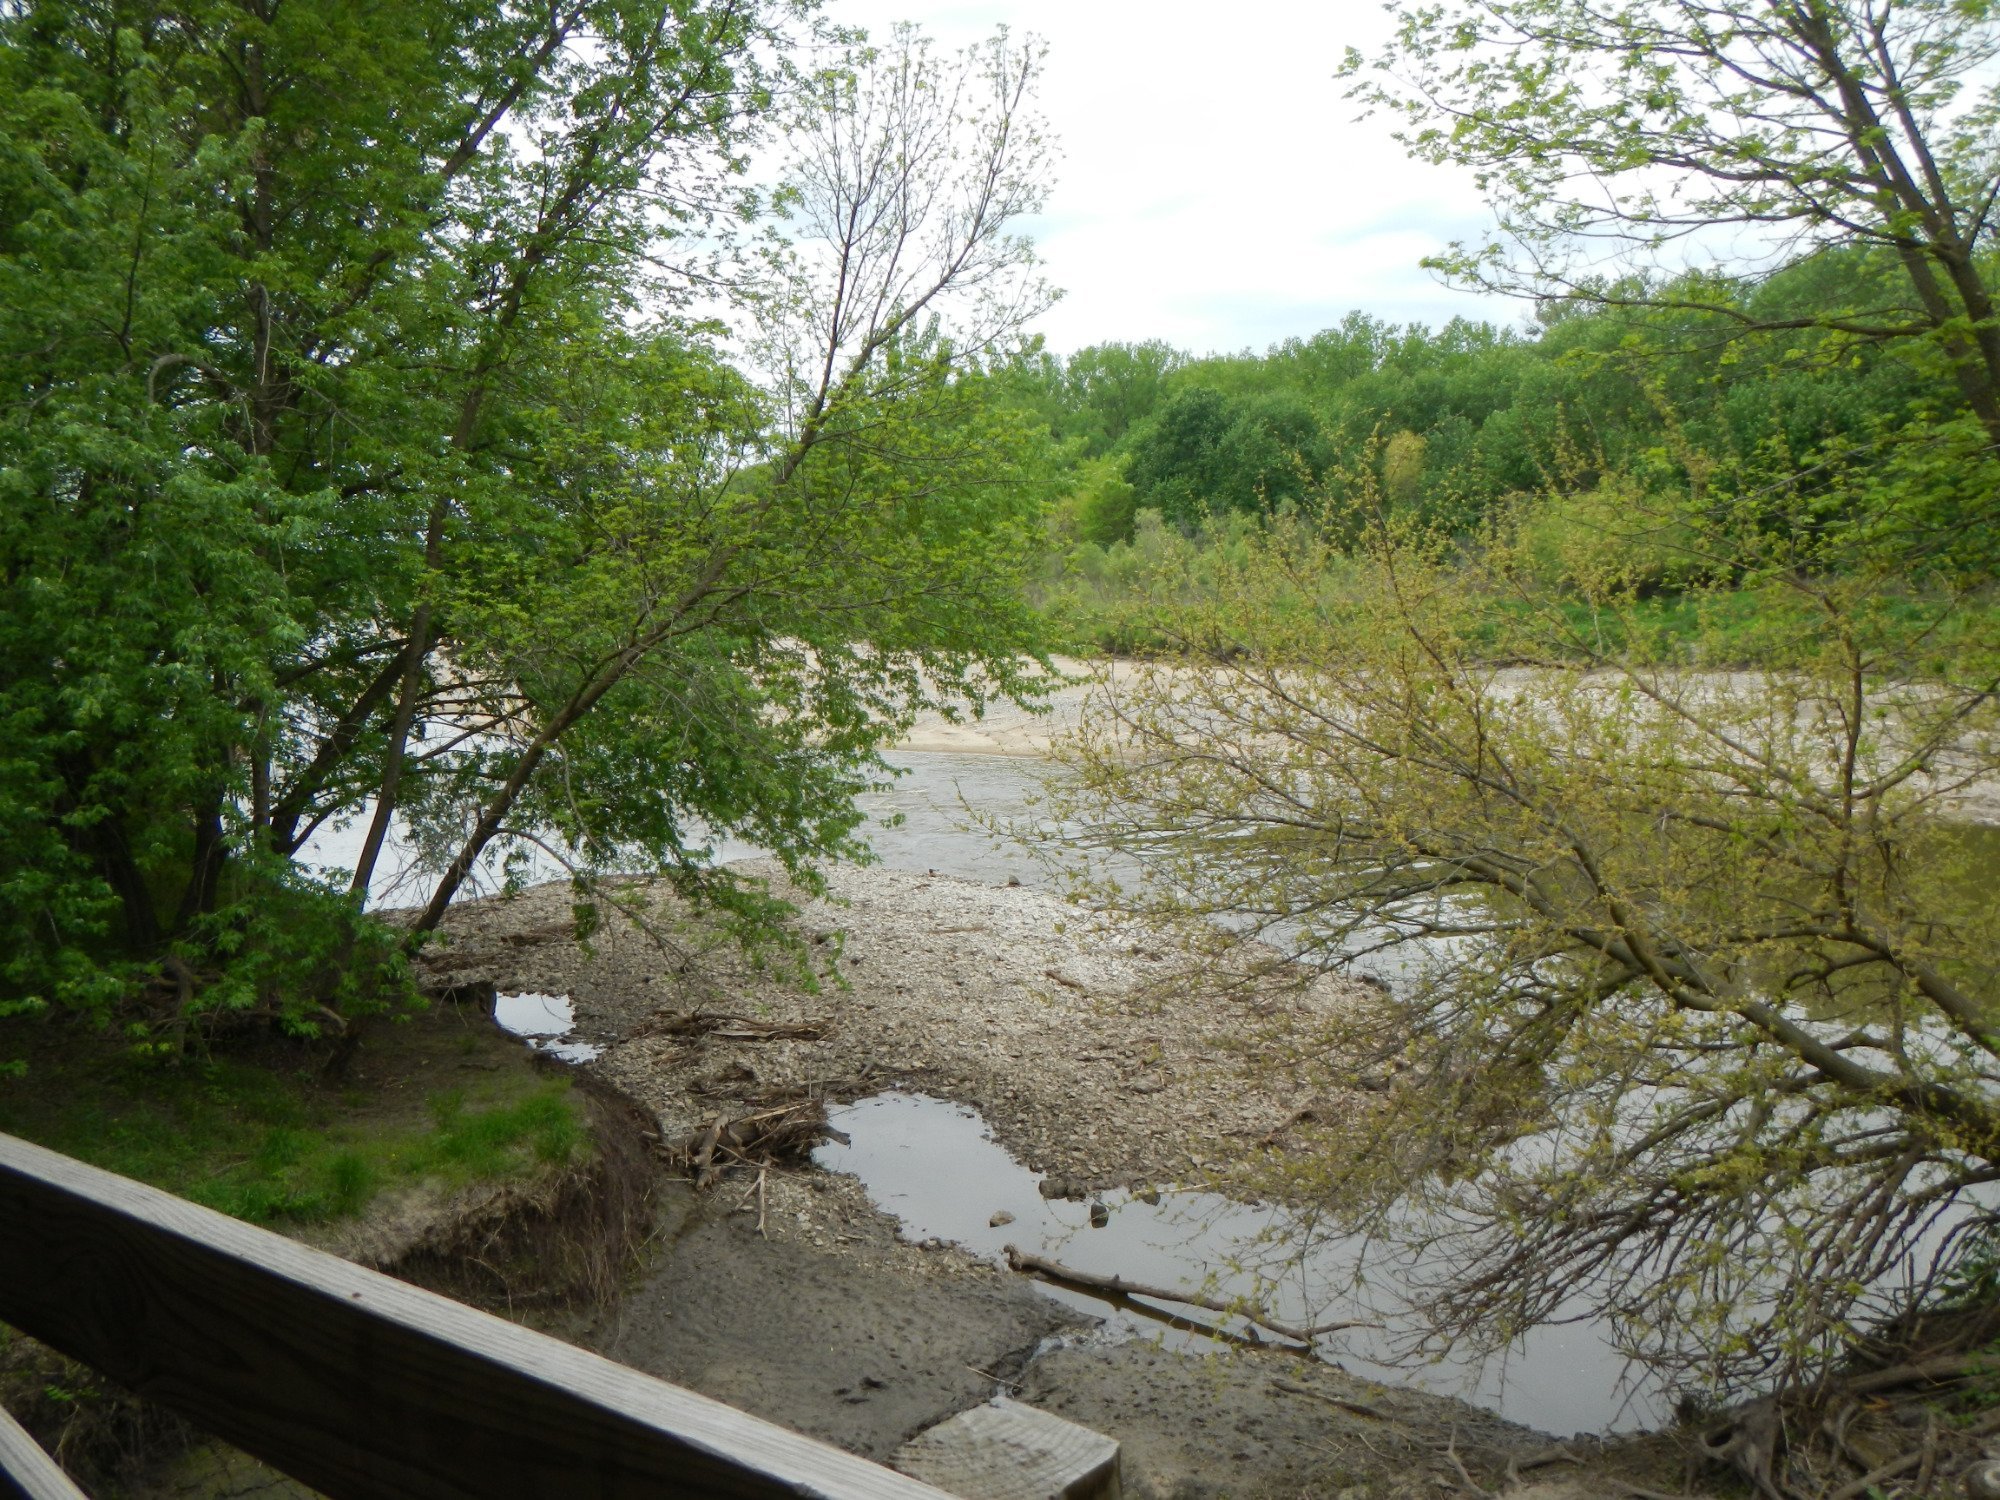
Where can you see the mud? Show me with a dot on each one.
(799, 1301)
(859, 1354)
(1049, 1019)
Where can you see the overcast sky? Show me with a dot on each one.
(1214, 190)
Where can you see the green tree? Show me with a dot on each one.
(1206, 451)
(1115, 387)
(1106, 505)
(1640, 127)
(359, 456)
(1693, 1021)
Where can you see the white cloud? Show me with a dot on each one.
(1214, 189)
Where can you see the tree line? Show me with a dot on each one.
(1453, 423)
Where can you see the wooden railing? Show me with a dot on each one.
(356, 1384)
(27, 1473)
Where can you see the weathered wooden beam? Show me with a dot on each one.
(1005, 1450)
(26, 1472)
(357, 1384)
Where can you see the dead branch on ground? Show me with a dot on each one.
(760, 1139)
(704, 1025)
(1119, 1286)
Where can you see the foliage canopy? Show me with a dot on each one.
(367, 452)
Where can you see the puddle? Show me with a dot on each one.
(544, 1020)
(934, 1165)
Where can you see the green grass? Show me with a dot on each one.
(272, 1145)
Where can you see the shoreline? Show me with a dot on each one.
(791, 1294)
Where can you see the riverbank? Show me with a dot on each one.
(789, 1293)
(436, 1148)
(1051, 1021)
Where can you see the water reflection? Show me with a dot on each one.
(543, 1020)
(936, 1167)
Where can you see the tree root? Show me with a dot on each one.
(1923, 1458)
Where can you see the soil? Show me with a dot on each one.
(1006, 729)
(800, 1303)
(847, 1348)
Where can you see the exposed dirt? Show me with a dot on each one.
(799, 1302)
(1009, 730)
(796, 1299)
(848, 1348)
(1042, 1015)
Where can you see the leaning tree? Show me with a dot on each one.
(1688, 999)
(373, 449)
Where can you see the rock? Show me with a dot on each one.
(1002, 1217)
(1099, 1215)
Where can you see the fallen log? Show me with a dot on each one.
(1118, 1286)
(701, 1025)
(1941, 1370)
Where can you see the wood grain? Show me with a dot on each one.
(357, 1384)
(1005, 1450)
(26, 1472)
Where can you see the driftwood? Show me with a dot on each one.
(700, 1025)
(1308, 1114)
(1919, 1457)
(1944, 1368)
(759, 1139)
(1753, 1438)
(1358, 1408)
(1118, 1286)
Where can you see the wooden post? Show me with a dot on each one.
(1007, 1451)
(360, 1385)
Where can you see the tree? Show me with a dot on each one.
(1694, 1019)
(1203, 450)
(1104, 505)
(1629, 137)
(870, 568)
(362, 454)
(1115, 387)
